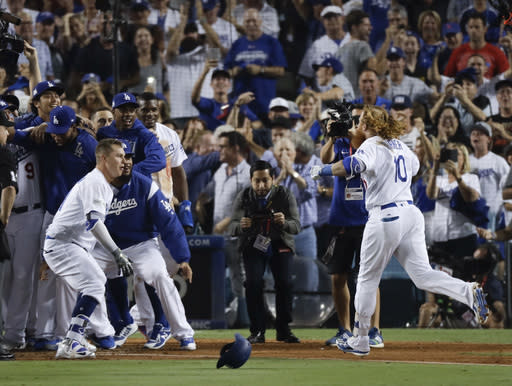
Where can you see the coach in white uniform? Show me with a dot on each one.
(76, 227)
(395, 226)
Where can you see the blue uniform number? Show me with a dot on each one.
(400, 170)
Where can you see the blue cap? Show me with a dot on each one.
(400, 102)
(451, 28)
(140, 5)
(45, 16)
(332, 62)
(3, 105)
(90, 77)
(12, 101)
(208, 5)
(468, 74)
(20, 83)
(41, 87)
(61, 119)
(124, 98)
(127, 146)
(395, 52)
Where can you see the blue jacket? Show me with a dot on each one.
(149, 155)
(139, 212)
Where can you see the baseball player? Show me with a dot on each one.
(76, 227)
(149, 155)
(69, 154)
(395, 226)
(20, 295)
(139, 212)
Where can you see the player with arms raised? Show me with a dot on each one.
(395, 226)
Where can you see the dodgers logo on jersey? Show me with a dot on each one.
(79, 151)
(167, 205)
(119, 206)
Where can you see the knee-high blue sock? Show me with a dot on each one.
(84, 308)
(113, 311)
(157, 306)
(85, 305)
(118, 288)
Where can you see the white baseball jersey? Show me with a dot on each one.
(389, 168)
(91, 194)
(174, 154)
(491, 169)
(321, 49)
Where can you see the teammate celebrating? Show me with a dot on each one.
(395, 226)
(75, 229)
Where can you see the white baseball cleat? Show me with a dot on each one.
(73, 349)
(188, 344)
(128, 330)
(480, 304)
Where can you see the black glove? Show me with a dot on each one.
(123, 263)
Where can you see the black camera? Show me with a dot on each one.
(341, 116)
(9, 42)
(449, 155)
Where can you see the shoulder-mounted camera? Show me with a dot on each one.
(341, 118)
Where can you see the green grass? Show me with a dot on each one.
(259, 371)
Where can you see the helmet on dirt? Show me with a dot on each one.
(235, 354)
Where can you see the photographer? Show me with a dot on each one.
(266, 217)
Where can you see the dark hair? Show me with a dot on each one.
(355, 18)
(281, 122)
(368, 69)
(234, 139)
(147, 96)
(475, 15)
(261, 165)
(153, 49)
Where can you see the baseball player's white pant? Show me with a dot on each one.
(400, 231)
(149, 265)
(21, 274)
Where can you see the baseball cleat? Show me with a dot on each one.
(287, 337)
(73, 349)
(105, 342)
(480, 304)
(188, 344)
(159, 336)
(6, 355)
(258, 337)
(128, 330)
(349, 346)
(341, 334)
(376, 340)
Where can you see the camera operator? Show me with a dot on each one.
(266, 217)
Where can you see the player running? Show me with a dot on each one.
(395, 226)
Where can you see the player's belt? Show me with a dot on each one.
(393, 205)
(26, 208)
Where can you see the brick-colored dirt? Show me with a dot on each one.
(394, 351)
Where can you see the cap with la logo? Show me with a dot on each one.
(42, 87)
(124, 98)
(61, 119)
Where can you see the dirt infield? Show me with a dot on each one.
(393, 352)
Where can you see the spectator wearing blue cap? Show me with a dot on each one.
(357, 53)
(462, 94)
(26, 30)
(452, 37)
(45, 29)
(398, 83)
(91, 97)
(330, 82)
(220, 33)
(149, 154)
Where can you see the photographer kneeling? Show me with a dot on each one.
(266, 217)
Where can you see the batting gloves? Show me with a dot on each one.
(123, 263)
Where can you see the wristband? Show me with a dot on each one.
(326, 171)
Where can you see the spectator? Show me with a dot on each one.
(150, 63)
(400, 84)
(416, 8)
(369, 85)
(216, 111)
(395, 34)
(45, 29)
(190, 131)
(274, 245)
(411, 47)
(91, 98)
(494, 57)
(164, 17)
(379, 15)
(482, 7)
(268, 14)
(401, 110)
(330, 82)
(310, 12)
(453, 231)
(139, 16)
(452, 37)
(26, 31)
(309, 109)
(92, 19)
(448, 127)
(429, 28)
(490, 168)
(357, 53)
(255, 61)
(326, 46)
(456, 8)
(72, 36)
(502, 122)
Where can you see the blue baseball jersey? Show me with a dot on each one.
(265, 51)
(149, 155)
(346, 212)
(29, 120)
(61, 166)
(139, 212)
(215, 113)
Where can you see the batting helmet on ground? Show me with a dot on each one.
(235, 354)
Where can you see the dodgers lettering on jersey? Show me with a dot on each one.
(389, 168)
(139, 212)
